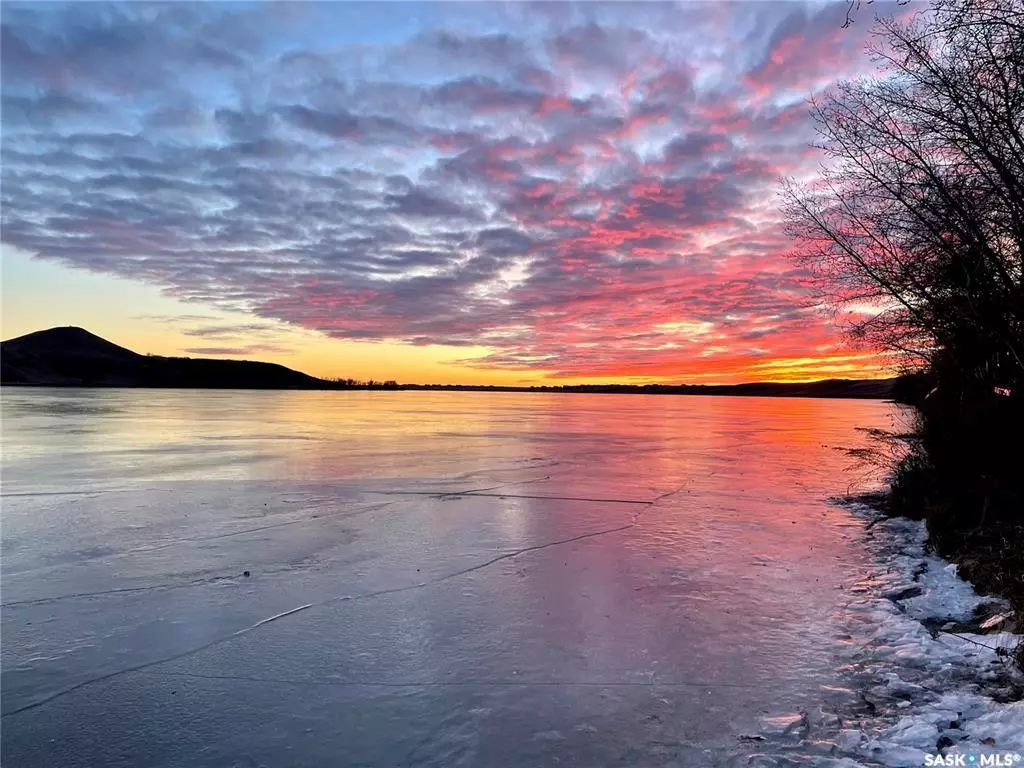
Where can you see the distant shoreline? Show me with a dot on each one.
(73, 357)
(832, 389)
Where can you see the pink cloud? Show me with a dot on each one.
(585, 199)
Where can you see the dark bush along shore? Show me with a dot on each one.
(964, 476)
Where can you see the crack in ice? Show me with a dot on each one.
(346, 513)
(480, 494)
(634, 521)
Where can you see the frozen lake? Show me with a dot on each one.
(449, 579)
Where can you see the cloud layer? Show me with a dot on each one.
(588, 191)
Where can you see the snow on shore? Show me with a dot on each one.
(936, 684)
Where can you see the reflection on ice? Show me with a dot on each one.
(461, 579)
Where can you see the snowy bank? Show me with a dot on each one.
(937, 682)
(928, 681)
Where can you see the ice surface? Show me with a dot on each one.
(468, 579)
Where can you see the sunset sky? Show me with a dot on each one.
(496, 193)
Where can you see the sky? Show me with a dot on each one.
(500, 193)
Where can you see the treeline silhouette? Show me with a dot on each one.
(915, 231)
(342, 383)
(834, 388)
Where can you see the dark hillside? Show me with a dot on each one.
(74, 357)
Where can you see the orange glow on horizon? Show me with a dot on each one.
(143, 319)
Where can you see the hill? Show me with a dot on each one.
(72, 356)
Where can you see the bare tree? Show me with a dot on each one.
(853, 8)
(917, 216)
